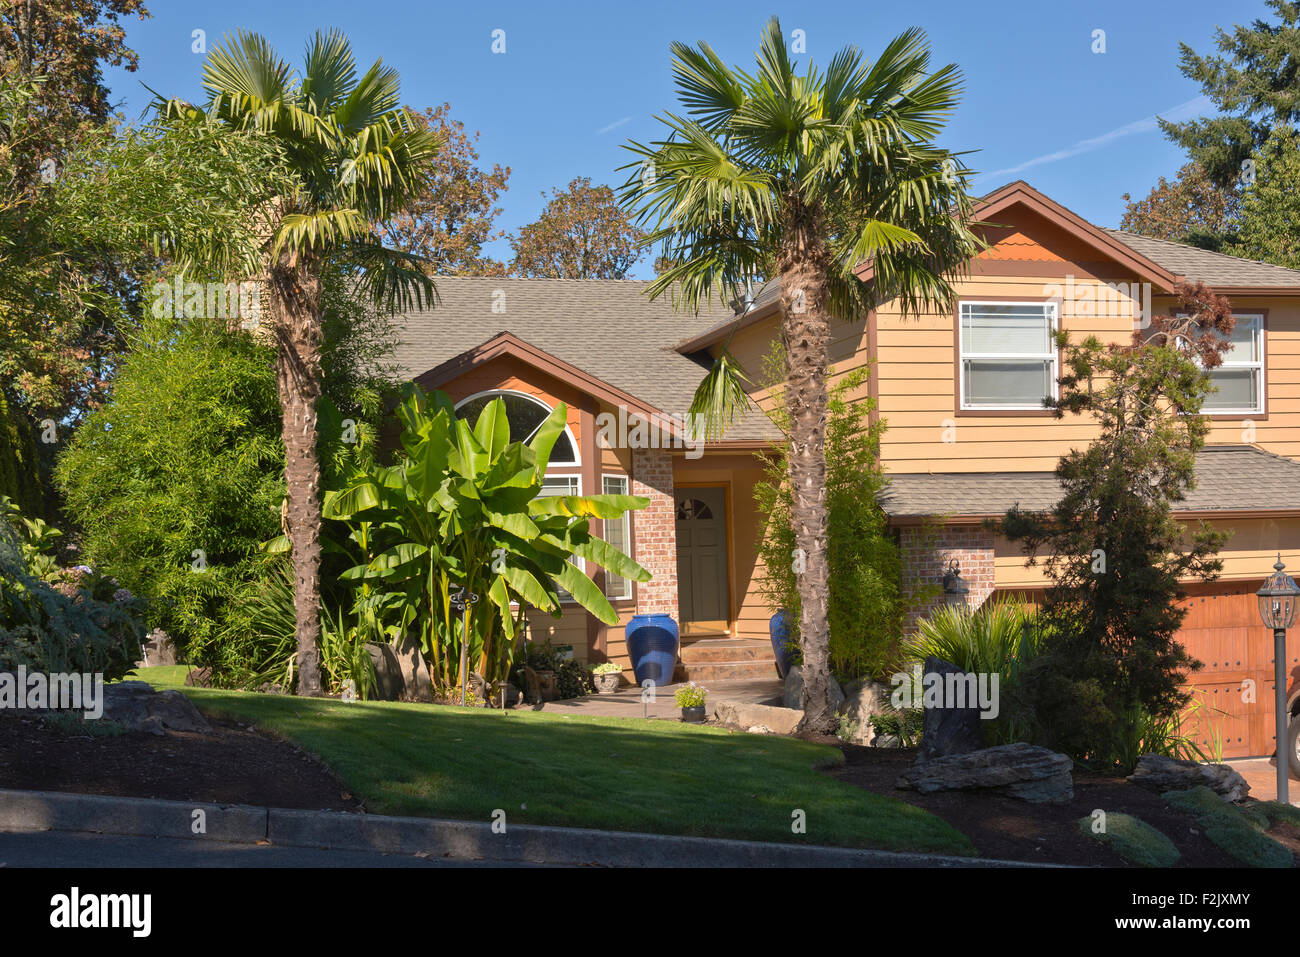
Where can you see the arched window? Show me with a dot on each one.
(525, 415)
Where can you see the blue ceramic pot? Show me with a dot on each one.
(778, 627)
(652, 646)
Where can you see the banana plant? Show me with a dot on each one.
(462, 507)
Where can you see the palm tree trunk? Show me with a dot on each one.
(296, 292)
(805, 332)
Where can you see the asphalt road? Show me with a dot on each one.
(76, 849)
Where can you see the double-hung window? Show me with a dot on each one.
(618, 532)
(1240, 379)
(1007, 356)
(557, 485)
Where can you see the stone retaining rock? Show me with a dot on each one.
(1159, 773)
(792, 695)
(862, 700)
(137, 707)
(948, 731)
(1023, 771)
(743, 716)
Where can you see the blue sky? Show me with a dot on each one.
(579, 79)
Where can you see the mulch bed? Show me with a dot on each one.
(1008, 829)
(234, 764)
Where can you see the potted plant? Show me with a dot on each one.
(605, 676)
(690, 698)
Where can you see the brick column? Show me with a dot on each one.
(655, 531)
(926, 553)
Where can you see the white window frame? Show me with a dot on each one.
(1258, 365)
(626, 521)
(576, 479)
(1051, 355)
(573, 443)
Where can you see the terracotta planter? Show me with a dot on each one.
(606, 683)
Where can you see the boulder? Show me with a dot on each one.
(743, 716)
(862, 700)
(137, 707)
(1159, 773)
(948, 730)
(416, 683)
(792, 696)
(158, 650)
(389, 684)
(886, 741)
(1023, 771)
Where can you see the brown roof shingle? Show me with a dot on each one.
(1228, 478)
(608, 328)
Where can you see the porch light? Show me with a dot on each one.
(955, 588)
(1277, 607)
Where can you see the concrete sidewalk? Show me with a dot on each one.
(627, 702)
(1261, 775)
(26, 811)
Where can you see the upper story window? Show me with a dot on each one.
(525, 415)
(1240, 379)
(1007, 358)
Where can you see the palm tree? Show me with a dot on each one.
(802, 178)
(355, 156)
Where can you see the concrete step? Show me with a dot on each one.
(726, 670)
(726, 649)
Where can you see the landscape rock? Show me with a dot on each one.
(792, 696)
(862, 700)
(742, 716)
(886, 741)
(1159, 773)
(389, 684)
(1023, 771)
(137, 707)
(158, 650)
(416, 683)
(198, 678)
(948, 731)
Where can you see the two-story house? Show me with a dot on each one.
(967, 435)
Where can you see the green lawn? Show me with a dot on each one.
(658, 776)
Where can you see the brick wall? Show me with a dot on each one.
(926, 553)
(655, 531)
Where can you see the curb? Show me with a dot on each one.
(435, 838)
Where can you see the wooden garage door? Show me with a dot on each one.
(1222, 629)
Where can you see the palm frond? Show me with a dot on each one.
(720, 398)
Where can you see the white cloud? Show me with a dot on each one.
(1183, 111)
(613, 126)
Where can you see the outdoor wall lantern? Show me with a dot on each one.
(955, 588)
(1278, 606)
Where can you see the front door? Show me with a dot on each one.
(702, 560)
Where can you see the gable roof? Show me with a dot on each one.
(1225, 273)
(1020, 193)
(1230, 479)
(1158, 261)
(604, 335)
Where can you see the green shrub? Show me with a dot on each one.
(82, 622)
(1135, 841)
(1235, 831)
(176, 482)
(1001, 637)
(606, 668)
(906, 725)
